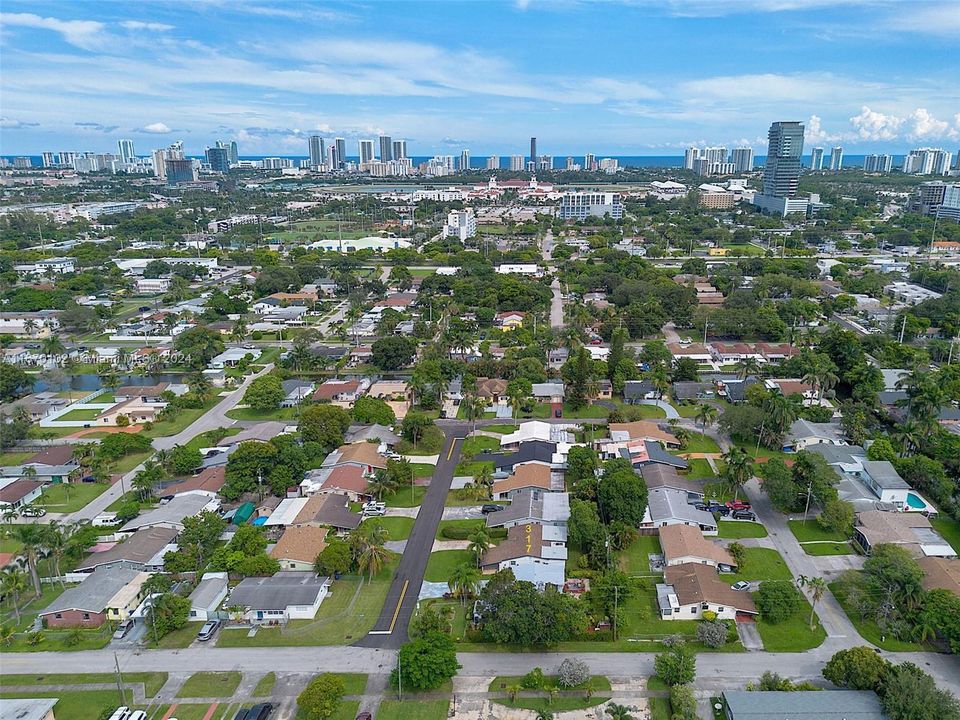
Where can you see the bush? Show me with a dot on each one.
(712, 633)
(321, 698)
(533, 680)
(676, 666)
(572, 673)
(462, 533)
(683, 703)
(778, 600)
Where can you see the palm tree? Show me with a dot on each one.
(381, 484)
(123, 358)
(618, 712)
(516, 404)
(513, 691)
(32, 537)
(372, 559)
(239, 331)
(7, 633)
(52, 345)
(12, 585)
(464, 581)
(479, 543)
(818, 588)
(29, 326)
(706, 415)
(474, 408)
(484, 477)
(57, 542)
(739, 469)
(748, 366)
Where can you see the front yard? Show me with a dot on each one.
(70, 497)
(815, 540)
(739, 529)
(634, 560)
(442, 564)
(760, 564)
(793, 634)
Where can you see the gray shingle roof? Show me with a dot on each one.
(278, 591)
(816, 705)
(669, 504)
(95, 592)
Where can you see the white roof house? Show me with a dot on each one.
(538, 430)
(207, 595)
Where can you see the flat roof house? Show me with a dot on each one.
(207, 596)
(107, 594)
(691, 589)
(911, 531)
(666, 506)
(274, 600)
(802, 705)
(28, 708)
(535, 553)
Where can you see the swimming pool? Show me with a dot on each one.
(916, 502)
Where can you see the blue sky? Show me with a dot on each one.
(630, 77)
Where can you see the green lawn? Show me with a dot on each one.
(152, 681)
(249, 413)
(717, 490)
(210, 685)
(180, 421)
(738, 529)
(634, 560)
(69, 497)
(265, 685)
(469, 524)
(502, 429)
(867, 627)
(406, 497)
(593, 411)
(476, 444)
(347, 710)
(129, 462)
(698, 468)
(558, 704)
(441, 564)
(413, 710)
(210, 438)
(646, 412)
(431, 443)
(398, 528)
(81, 414)
(761, 564)
(828, 548)
(949, 529)
(344, 616)
(811, 531)
(9, 545)
(423, 470)
(660, 708)
(599, 683)
(14, 458)
(698, 443)
(471, 469)
(793, 634)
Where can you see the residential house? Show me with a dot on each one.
(790, 386)
(643, 452)
(361, 353)
(551, 508)
(604, 390)
(134, 410)
(883, 480)
(143, 393)
(549, 392)
(510, 320)
(731, 353)
(537, 430)
(686, 544)
(531, 477)
(172, 514)
(209, 479)
(207, 596)
(143, 550)
(535, 553)
(320, 509)
(636, 390)
(37, 406)
(286, 595)
(396, 393)
(657, 475)
(690, 391)
(17, 494)
(107, 594)
(734, 389)
(940, 574)
(642, 430)
(329, 353)
(557, 358)
(348, 480)
(261, 432)
(802, 705)
(299, 546)
(691, 589)
(911, 531)
(777, 352)
(231, 357)
(338, 391)
(364, 455)
(535, 451)
(368, 433)
(666, 506)
(493, 390)
(28, 709)
(295, 392)
(700, 354)
(803, 433)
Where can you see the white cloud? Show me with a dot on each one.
(931, 18)
(872, 125)
(82, 33)
(815, 133)
(924, 126)
(157, 128)
(139, 25)
(12, 124)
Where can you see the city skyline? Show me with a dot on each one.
(270, 76)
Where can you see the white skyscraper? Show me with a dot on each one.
(48, 159)
(689, 157)
(715, 154)
(464, 165)
(742, 159)
(493, 162)
(366, 151)
(878, 163)
(836, 159)
(589, 162)
(67, 157)
(816, 158)
(399, 149)
(127, 155)
(516, 163)
(159, 163)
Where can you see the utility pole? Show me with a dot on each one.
(616, 602)
(903, 328)
(807, 506)
(399, 677)
(123, 695)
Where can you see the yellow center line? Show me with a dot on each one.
(396, 612)
(450, 453)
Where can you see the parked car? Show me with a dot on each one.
(208, 630)
(374, 508)
(740, 585)
(32, 511)
(738, 505)
(260, 712)
(744, 515)
(122, 629)
(364, 716)
(491, 508)
(558, 412)
(241, 714)
(716, 507)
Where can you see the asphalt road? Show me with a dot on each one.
(390, 630)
